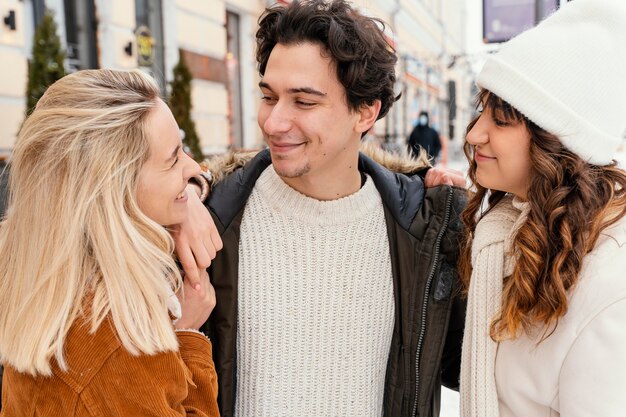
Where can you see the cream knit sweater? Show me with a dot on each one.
(316, 309)
(491, 261)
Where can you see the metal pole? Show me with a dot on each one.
(538, 11)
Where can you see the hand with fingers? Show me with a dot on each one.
(439, 176)
(197, 302)
(197, 239)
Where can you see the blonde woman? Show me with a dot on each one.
(87, 277)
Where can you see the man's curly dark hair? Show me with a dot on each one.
(364, 59)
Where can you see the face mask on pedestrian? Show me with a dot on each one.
(423, 120)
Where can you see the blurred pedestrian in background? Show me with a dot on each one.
(423, 136)
(88, 283)
(545, 263)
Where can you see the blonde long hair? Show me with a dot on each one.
(73, 230)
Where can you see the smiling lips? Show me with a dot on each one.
(284, 147)
(481, 157)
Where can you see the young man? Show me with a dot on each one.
(336, 284)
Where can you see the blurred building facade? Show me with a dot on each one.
(216, 37)
(434, 72)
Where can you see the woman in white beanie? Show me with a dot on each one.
(544, 261)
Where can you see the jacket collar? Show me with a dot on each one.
(402, 194)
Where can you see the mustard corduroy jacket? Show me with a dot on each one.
(104, 379)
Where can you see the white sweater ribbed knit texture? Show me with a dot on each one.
(316, 308)
(491, 262)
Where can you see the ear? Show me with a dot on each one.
(368, 113)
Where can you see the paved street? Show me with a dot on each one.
(449, 403)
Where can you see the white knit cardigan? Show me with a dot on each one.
(491, 262)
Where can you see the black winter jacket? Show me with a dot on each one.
(424, 231)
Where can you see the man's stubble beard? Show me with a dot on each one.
(292, 173)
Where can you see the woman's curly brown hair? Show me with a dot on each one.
(571, 203)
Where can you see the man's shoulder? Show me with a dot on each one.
(441, 207)
(398, 183)
(235, 176)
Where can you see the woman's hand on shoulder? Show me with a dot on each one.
(444, 176)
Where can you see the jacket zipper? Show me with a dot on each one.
(420, 341)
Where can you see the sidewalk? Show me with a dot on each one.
(449, 403)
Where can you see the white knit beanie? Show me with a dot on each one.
(568, 76)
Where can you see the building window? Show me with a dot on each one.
(80, 34)
(149, 35)
(233, 64)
